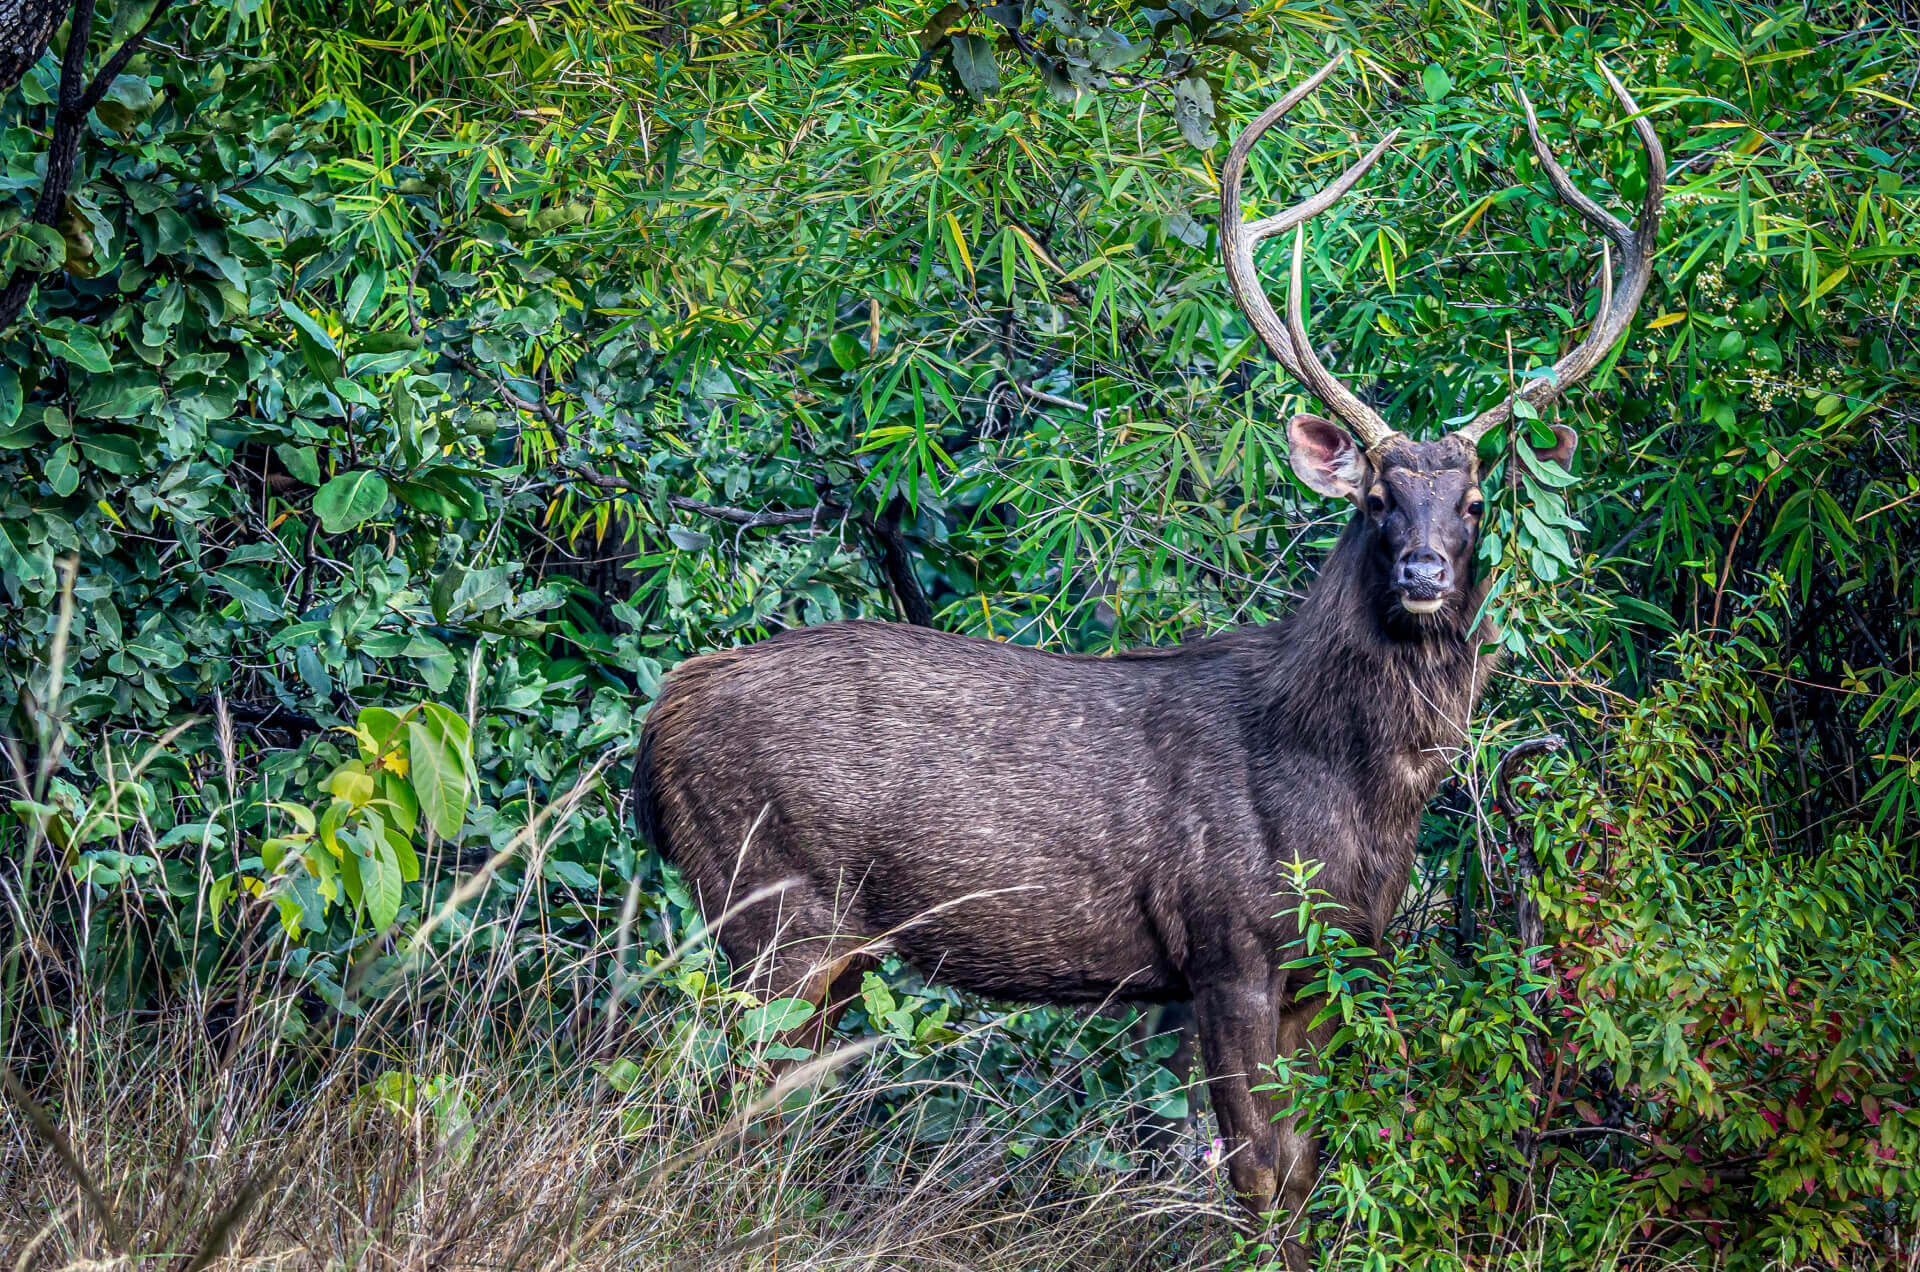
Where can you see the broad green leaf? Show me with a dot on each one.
(303, 462)
(349, 500)
(847, 350)
(1193, 111)
(437, 768)
(115, 452)
(769, 1021)
(36, 248)
(77, 344)
(301, 814)
(404, 810)
(380, 879)
(973, 64)
(63, 475)
(350, 782)
(404, 855)
(316, 346)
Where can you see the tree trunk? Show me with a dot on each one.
(26, 28)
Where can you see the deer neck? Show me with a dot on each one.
(1343, 681)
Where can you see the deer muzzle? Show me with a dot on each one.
(1423, 580)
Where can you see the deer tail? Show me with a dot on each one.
(644, 798)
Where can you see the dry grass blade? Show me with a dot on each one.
(221, 1230)
(51, 1135)
(240, 1137)
(795, 1079)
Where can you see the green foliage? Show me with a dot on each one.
(410, 385)
(411, 775)
(1717, 1050)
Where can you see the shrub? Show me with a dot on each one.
(1715, 1055)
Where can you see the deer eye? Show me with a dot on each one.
(1376, 505)
(1475, 508)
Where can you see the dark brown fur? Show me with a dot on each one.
(1067, 829)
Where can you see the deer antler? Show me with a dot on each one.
(1288, 340)
(1618, 299)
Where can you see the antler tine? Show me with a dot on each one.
(1620, 298)
(1572, 195)
(1286, 339)
(1358, 416)
(1312, 206)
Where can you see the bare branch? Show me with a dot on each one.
(743, 517)
(747, 517)
(1054, 399)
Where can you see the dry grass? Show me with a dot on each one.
(183, 1150)
(216, 1136)
(466, 1118)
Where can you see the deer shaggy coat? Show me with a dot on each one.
(1068, 829)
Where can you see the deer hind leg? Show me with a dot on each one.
(816, 954)
(827, 974)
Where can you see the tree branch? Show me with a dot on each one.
(26, 28)
(1054, 399)
(273, 715)
(595, 478)
(745, 517)
(77, 97)
(749, 519)
(896, 563)
(103, 82)
(895, 557)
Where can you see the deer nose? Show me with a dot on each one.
(1424, 574)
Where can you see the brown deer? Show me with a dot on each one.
(1057, 828)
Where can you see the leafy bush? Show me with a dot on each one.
(1717, 1049)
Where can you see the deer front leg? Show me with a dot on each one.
(1238, 1029)
(1298, 1152)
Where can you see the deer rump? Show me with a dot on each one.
(1016, 823)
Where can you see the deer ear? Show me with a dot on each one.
(1564, 440)
(1325, 456)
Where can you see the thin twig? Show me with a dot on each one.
(1054, 399)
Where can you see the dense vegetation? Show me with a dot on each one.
(396, 391)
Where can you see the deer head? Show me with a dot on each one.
(1420, 499)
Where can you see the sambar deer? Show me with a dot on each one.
(1058, 828)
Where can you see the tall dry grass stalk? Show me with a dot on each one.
(465, 1117)
(185, 1150)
